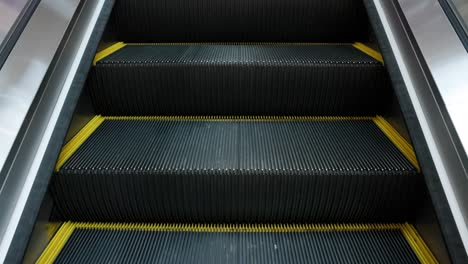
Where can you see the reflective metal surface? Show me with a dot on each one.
(461, 9)
(445, 56)
(26, 66)
(10, 12)
(435, 109)
(20, 80)
(38, 136)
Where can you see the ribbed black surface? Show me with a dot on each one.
(234, 171)
(239, 80)
(240, 20)
(126, 246)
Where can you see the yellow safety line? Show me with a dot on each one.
(369, 51)
(240, 43)
(237, 227)
(108, 51)
(240, 118)
(417, 244)
(52, 229)
(77, 140)
(58, 242)
(398, 140)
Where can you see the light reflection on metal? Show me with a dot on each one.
(20, 79)
(438, 105)
(10, 12)
(460, 8)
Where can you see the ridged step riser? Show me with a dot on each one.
(239, 20)
(239, 198)
(239, 80)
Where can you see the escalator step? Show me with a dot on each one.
(240, 20)
(234, 169)
(165, 243)
(268, 79)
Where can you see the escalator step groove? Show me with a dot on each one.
(269, 169)
(227, 79)
(176, 243)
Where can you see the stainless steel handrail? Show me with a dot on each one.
(436, 95)
(41, 132)
(10, 12)
(26, 66)
(14, 15)
(21, 78)
(461, 11)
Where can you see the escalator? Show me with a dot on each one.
(238, 132)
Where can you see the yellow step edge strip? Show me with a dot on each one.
(238, 43)
(398, 140)
(77, 140)
(277, 228)
(240, 118)
(56, 245)
(369, 51)
(417, 244)
(108, 51)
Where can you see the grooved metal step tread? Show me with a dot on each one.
(271, 146)
(192, 243)
(232, 169)
(225, 54)
(251, 79)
